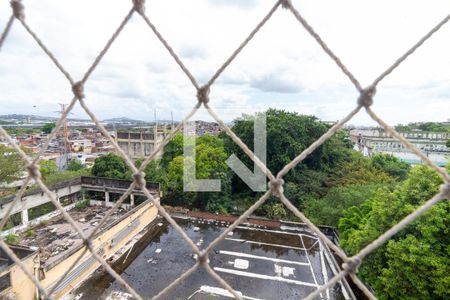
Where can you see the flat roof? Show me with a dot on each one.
(258, 262)
(56, 238)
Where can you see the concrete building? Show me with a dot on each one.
(433, 144)
(14, 284)
(59, 244)
(142, 143)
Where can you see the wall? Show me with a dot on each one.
(103, 242)
(21, 286)
(30, 201)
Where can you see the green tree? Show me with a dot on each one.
(11, 164)
(74, 165)
(173, 149)
(154, 172)
(448, 143)
(415, 263)
(47, 167)
(48, 127)
(288, 134)
(209, 164)
(329, 209)
(111, 166)
(391, 165)
(276, 211)
(357, 169)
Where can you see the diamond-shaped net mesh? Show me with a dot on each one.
(366, 95)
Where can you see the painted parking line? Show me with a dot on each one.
(278, 231)
(223, 292)
(266, 277)
(310, 265)
(266, 244)
(239, 254)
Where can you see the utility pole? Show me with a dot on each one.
(66, 150)
(65, 130)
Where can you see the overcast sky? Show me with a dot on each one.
(282, 67)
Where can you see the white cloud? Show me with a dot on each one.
(282, 66)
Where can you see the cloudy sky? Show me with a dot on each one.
(282, 67)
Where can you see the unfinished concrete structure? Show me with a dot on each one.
(139, 144)
(433, 144)
(103, 190)
(12, 277)
(53, 246)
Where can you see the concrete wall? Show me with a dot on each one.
(30, 201)
(21, 286)
(65, 189)
(35, 222)
(107, 243)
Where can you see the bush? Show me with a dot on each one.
(29, 233)
(82, 204)
(75, 165)
(11, 239)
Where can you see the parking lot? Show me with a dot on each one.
(258, 262)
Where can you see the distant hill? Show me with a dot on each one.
(21, 118)
(123, 120)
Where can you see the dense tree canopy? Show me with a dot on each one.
(110, 165)
(11, 164)
(357, 169)
(209, 164)
(288, 134)
(391, 165)
(415, 264)
(47, 167)
(329, 209)
(154, 172)
(74, 165)
(48, 127)
(425, 126)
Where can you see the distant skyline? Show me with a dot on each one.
(283, 67)
(43, 119)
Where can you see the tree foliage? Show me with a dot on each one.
(329, 209)
(48, 127)
(209, 164)
(154, 172)
(288, 134)
(11, 164)
(111, 166)
(47, 167)
(357, 169)
(74, 165)
(415, 264)
(391, 165)
(424, 126)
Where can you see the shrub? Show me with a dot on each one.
(29, 233)
(12, 239)
(82, 204)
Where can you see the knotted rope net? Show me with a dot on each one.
(364, 101)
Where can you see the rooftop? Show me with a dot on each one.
(258, 262)
(56, 238)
